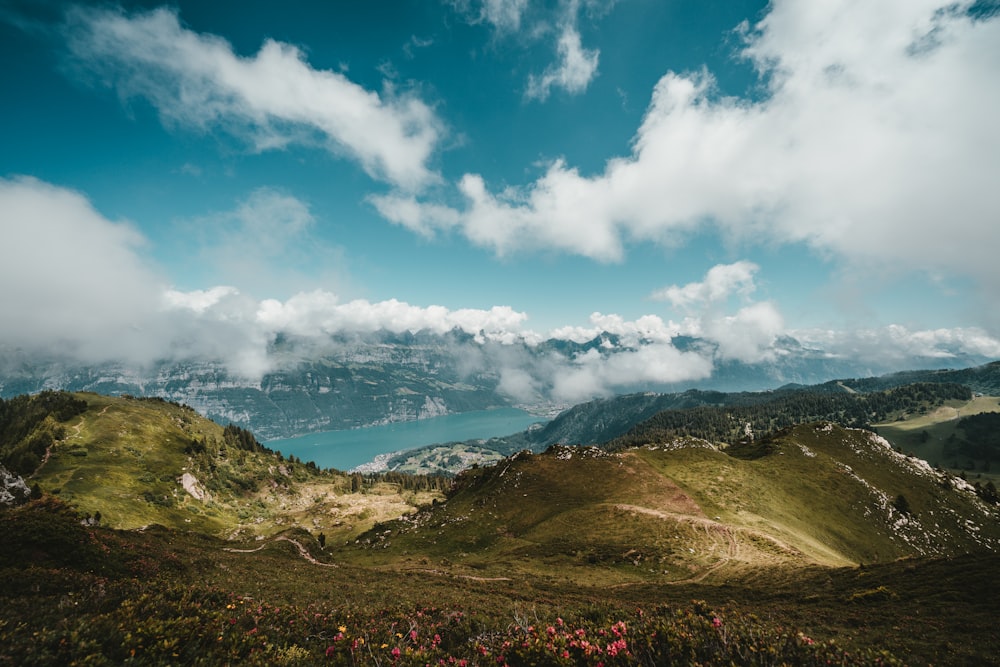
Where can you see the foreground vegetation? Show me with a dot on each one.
(157, 537)
(74, 594)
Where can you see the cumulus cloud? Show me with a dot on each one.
(593, 374)
(874, 143)
(73, 281)
(719, 284)
(748, 335)
(273, 99)
(645, 328)
(79, 285)
(319, 312)
(575, 66)
(573, 72)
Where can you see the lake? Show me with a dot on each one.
(344, 450)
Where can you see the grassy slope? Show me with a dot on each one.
(577, 533)
(125, 458)
(168, 597)
(816, 495)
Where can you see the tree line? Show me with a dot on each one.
(29, 425)
(739, 422)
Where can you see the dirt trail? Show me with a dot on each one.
(444, 573)
(298, 545)
(76, 434)
(719, 534)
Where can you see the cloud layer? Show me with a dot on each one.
(272, 99)
(873, 142)
(80, 287)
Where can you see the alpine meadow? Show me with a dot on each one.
(499, 332)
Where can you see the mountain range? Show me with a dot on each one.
(369, 379)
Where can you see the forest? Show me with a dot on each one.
(759, 416)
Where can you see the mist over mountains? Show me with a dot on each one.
(350, 380)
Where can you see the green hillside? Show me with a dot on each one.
(139, 461)
(815, 545)
(686, 510)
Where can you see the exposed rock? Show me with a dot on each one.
(13, 490)
(193, 486)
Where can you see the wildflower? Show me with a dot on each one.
(342, 628)
(395, 653)
(716, 622)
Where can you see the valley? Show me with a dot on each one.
(175, 539)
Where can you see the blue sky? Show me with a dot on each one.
(733, 170)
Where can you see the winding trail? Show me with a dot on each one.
(442, 573)
(298, 545)
(76, 434)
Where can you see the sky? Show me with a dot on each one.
(190, 179)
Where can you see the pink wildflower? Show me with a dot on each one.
(716, 622)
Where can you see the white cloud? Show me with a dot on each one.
(875, 143)
(274, 98)
(197, 301)
(318, 313)
(720, 283)
(72, 281)
(896, 344)
(573, 72)
(504, 15)
(593, 374)
(575, 66)
(520, 385)
(647, 327)
(77, 285)
(748, 335)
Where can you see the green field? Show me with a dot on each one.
(927, 435)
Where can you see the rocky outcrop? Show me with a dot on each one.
(13, 489)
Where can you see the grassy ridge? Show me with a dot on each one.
(688, 511)
(142, 461)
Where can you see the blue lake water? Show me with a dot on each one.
(344, 450)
